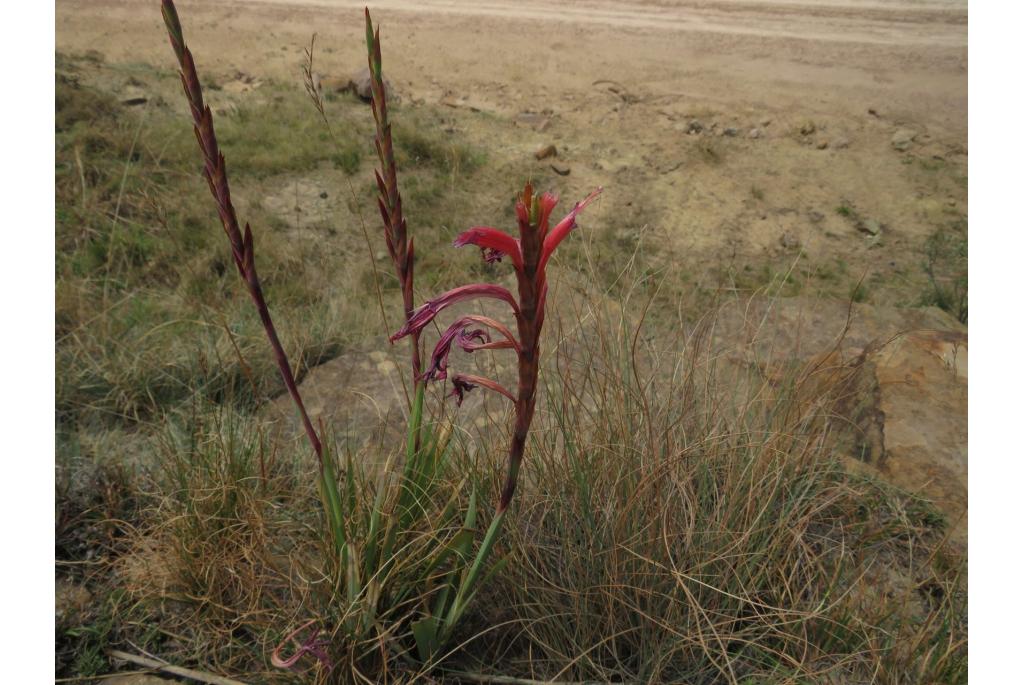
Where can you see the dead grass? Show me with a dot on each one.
(681, 519)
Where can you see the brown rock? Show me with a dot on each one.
(546, 151)
(561, 169)
(908, 409)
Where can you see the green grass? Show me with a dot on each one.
(945, 265)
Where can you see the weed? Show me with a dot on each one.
(945, 266)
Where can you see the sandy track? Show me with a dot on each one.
(827, 56)
(899, 23)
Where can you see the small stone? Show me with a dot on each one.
(789, 241)
(323, 195)
(361, 85)
(546, 151)
(695, 126)
(765, 121)
(821, 144)
(815, 217)
(561, 169)
(730, 132)
(529, 118)
(807, 128)
(841, 143)
(755, 133)
(870, 226)
(903, 138)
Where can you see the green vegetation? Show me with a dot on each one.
(945, 264)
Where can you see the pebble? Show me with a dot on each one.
(841, 143)
(755, 133)
(870, 226)
(694, 126)
(561, 169)
(546, 151)
(903, 138)
(730, 132)
(789, 241)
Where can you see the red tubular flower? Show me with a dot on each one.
(495, 244)
(461, 334)
(464, 382)
(425, 313)
(529, 255)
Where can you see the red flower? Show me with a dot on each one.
(425, 313)
(529, 255)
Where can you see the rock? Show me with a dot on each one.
(807, 128)
(905, 410)
(730, 132)
(241, 82)
(360, 399)
(323, 195)
(903, 139)
(869, 226)
(333, 84)
(361, 85)
(789, 241)
(561, 169)
(815, 217)
(821, 144)
(840, 143)
(755, 133)
(538, 121)
(546, 151)
(134, 96)
(694, 126)
(765, 121)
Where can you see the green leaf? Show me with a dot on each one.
(425, 633)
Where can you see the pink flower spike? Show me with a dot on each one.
(558, 233)
(498, 242)
(464, 382)
(425, 313)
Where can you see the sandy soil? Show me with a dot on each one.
(617, 85)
